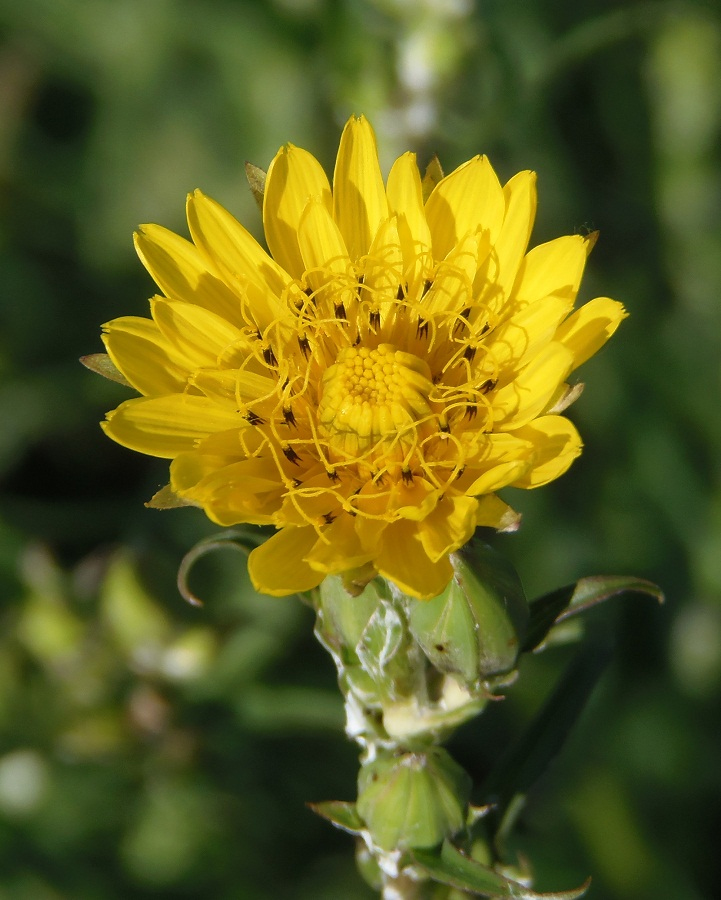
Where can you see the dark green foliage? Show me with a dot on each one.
(149, 749)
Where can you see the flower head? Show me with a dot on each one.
(370, 384)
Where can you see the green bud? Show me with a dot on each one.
(474, 628)
(343, 617)
(414, 800)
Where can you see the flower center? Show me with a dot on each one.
(374, 399)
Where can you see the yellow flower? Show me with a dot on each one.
(371, 384)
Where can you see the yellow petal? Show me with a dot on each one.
(522, 336)
(470, 199)
(237, 385)
(322, 247)
(528, 394)
(180, 271)
(167, 426)
(498, 476)
(502, 265)
(294, 177)
(278, 567)
(556, 442)
(449, 526)
(452, 288)
(359, 198)
(494, 513)
(200, 337)
(339, 549)
(237, 256)
(403, 559)
(588, 329)
(552, 268)
(383, 270)
(405, 201)
(146, 358)
(247, 491)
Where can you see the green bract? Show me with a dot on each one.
(413, 800)
(475, 627)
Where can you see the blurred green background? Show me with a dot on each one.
(153, 750)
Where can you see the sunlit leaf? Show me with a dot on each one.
(256, 180)
(449, 866)
(554, 607)
(101, 364)
(340, 813)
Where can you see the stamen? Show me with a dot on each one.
(289, 416)
(269, 357)
(290, 454)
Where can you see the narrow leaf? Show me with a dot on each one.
(554, 607)
(528, 758)
(449, 866)
(166, 498)
(256, 180)
(102, 364)
(234, 540)
(433, 175)
(340, 813)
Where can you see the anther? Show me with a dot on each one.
(462, 319)
(332, 475)
(328, 517)
(289, 416)
(269, 356)
(374, 319)
(469, 353)
(427, 285)
(422, 330)
(340, 311)
(488, 385)
(407, 476)
(400, 293)
(254, 419)
(304, 345)
(290, 454)
(471, 410)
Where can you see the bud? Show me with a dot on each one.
(342, 617)
(414, 800)
(474, 628)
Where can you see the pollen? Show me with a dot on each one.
(375, 402)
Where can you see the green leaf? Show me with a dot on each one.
(166, 498)
(449, 866)
(102, 364)
(528, 758)
(256, 180)
(554, 607)
(339, 813)
(233, 540)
